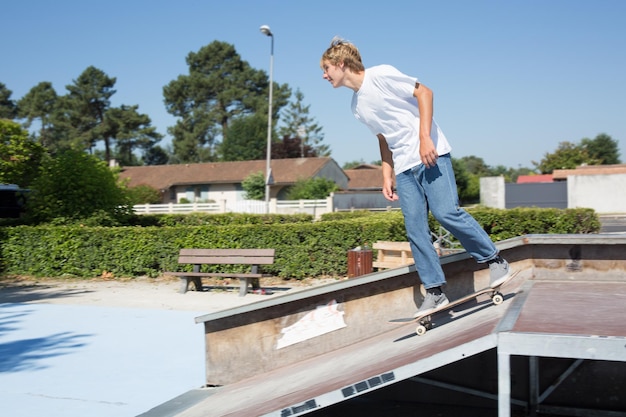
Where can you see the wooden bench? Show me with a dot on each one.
(199, 257)
(396, 254)
(392, 254)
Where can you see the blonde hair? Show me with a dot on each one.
(344, 51)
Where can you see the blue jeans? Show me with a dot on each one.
(421, 189)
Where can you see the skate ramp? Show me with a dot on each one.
(549, 312)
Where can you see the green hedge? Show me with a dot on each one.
(304, 248)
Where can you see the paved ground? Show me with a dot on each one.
(104, 348)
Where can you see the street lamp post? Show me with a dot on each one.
(268, 169)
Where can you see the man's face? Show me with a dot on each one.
(333, 73)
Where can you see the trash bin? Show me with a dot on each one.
(359, 262)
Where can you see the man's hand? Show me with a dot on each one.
(428, 152)
(388, 191)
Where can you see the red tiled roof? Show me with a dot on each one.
(525, 179)
(365, 177)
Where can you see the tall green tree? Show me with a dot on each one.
(219, 87)
(132, 131)
(39, 104)
(19, 154)
(297, 123)
(8, 108)
(155, 155)
(86, 104)
(602, 148)
(84, 119)
(246, 139)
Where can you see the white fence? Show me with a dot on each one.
(313, 207)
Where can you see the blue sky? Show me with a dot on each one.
(511, 79)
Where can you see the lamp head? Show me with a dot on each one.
(266, 30)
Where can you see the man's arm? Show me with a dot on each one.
(428, 152)
(387, 163)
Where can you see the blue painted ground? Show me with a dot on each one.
(77, 361)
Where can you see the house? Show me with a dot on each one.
(364, 190)
(221, 181)
(365, 177)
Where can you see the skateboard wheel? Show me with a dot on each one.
(497, 298)
(420, 330)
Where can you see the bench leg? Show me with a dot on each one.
(184, 285)
(243, 286)
(197, 282)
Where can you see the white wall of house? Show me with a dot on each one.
(218, 193)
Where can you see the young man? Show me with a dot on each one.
(398, 110)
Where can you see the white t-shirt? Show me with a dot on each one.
(385, 104)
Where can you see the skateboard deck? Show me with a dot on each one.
(424, 321)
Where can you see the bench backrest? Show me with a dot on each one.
(227, 256)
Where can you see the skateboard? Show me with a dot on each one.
(424, 321)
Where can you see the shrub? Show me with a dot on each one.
(74, 186)
(143, 194)
(304, 248)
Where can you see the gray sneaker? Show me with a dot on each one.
(431, 303)
(498, 271)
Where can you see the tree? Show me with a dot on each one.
(155, 155)
(298, 124)
(19, 155)
(220, 87)
(475, 165)
(84, 117)
(73, 185)
(246, 139)
(40, 104)
(511, 174)
(467, 184)
(356, 163)
(602, 148)
(567, 156)
(8, 108)
(312, 189)
(86, 105)
(132, 130)
(254, 186)
(292, 147)
(353, 164)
